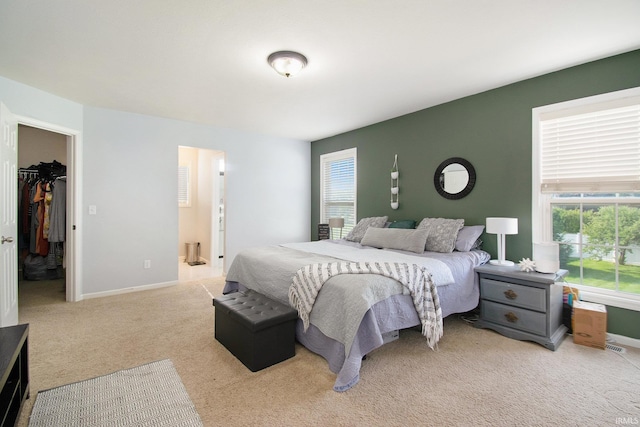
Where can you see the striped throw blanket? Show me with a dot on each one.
(308, 281)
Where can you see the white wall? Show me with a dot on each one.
(130, 164)
(34, 103)
(205, 202)
(130, 174)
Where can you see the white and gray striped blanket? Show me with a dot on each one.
(308, 281)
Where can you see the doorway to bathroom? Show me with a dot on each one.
(201, 204)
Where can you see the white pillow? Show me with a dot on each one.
(357, 233)
(396, 238)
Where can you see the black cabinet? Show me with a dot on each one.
(14, 368)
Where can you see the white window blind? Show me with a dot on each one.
(586, 175)
(338, 187)
(184, 186)
(593, 151)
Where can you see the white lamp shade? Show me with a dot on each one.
(502, 225)
(336, 222)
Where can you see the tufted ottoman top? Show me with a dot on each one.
(254, 310)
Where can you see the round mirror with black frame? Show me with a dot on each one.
(454, 178)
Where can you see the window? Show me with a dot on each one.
(586, 192)
(184, 186)
(338, 172)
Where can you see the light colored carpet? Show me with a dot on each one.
(476, 378)
(147, 395)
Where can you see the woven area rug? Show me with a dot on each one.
(147, 395)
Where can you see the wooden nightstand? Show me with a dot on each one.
(522, 306)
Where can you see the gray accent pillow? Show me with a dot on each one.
(442, 233)
(468, 237)
(396, 238)
(357, 233)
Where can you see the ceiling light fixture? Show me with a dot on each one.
(286, 62)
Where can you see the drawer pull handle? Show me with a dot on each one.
(511, 317)
(510, 294)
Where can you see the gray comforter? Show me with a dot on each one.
(335, 327)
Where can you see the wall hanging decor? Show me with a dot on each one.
(394, 184)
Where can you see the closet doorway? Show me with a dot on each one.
(46, 155)
(201, 218)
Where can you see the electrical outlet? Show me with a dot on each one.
(147, 263)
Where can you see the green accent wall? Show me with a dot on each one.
(492, 130)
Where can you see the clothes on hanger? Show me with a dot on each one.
(42, 217)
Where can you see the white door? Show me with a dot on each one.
(8, 219)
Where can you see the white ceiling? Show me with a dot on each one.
(205, 60)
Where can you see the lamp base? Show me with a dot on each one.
(503, 263)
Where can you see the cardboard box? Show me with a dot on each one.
(589, 324)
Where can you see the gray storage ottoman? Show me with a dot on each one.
(259, 331)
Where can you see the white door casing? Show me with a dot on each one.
(73, 236)
(8, 218)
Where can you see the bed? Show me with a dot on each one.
(354, 313)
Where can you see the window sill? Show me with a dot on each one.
(628, 302)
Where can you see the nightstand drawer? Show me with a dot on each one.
(516, 318)
(512, 294)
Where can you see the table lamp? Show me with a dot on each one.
(336, 223)
(501, 227)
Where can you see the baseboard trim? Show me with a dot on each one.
(129, 290)
(622, 340)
